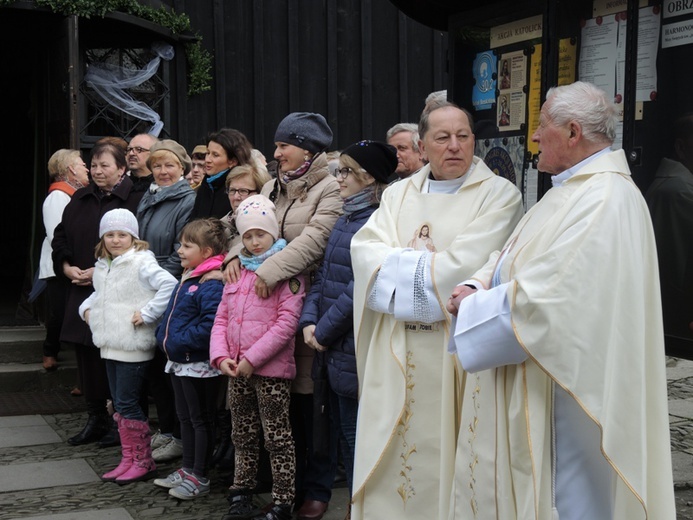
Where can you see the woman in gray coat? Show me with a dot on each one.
(163, 211)
(166, 206)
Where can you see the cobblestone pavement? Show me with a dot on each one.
(143, 500)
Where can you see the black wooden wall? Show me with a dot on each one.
(361, 63)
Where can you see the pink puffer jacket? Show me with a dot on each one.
(259, 330)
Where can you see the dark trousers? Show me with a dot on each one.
(160, 388)
(56, 294)
(196, 406)
(314, 472)
(344, 412)
(93, 380)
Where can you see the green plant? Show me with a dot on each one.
(199, 76)
(199, 60)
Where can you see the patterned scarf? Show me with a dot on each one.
(364, 198)
(104, 193)
(289, 176)
(252, 262)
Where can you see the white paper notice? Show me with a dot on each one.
(677, 8)
(531, 187)
(598, 53)
(620, 60)
(675, 34)
(648, 38)
(512, 77)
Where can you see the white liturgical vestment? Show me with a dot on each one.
(408, 413)
(565, 414)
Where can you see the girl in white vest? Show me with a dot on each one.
(130, 294)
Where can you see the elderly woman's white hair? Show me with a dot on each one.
(588, 105)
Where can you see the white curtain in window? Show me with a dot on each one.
(111, 83)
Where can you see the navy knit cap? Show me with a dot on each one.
(306, 130)
(378, 159)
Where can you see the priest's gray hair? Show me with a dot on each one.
(412, 128)
(435, 104)
(588, 105)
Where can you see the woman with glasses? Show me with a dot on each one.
(241, 183)
(327, 318)
(307, 204)
(225, 149)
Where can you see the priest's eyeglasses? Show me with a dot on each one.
(343, 173)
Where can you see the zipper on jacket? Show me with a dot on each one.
(168, 321)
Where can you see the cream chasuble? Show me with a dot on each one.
(581, 272)
(408, 411)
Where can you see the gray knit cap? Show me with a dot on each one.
(306, 130)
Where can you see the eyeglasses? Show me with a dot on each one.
(242, 192)
(343, 173)
(137, 149)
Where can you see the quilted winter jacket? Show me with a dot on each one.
(161, 217)
(329, 305)
(259, 330)
(307, 209)
(183, 333)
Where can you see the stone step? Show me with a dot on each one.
(21, 352)
(21, 344)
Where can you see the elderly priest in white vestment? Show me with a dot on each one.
(564, 414)
(432, 229)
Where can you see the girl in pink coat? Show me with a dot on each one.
(253, 343)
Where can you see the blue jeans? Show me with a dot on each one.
(344, 411)
(126, 381)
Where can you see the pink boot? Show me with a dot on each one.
(139, 439)
(125, 449)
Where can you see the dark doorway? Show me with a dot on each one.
(24, 56)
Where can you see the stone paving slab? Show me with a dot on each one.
(27, 430)
(143, 500)
(101, 514)
(680, 410)
(36, 475)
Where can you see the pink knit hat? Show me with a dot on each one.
(257, 212)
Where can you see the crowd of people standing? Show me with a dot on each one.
(287, 307)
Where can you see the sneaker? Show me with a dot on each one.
(191, 487)
(159, 439)
(242, 507)
(175, 479)
(170, 451)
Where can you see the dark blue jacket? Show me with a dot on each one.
(184, 331)
(329, 304)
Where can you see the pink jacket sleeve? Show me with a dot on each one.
(218, 344)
